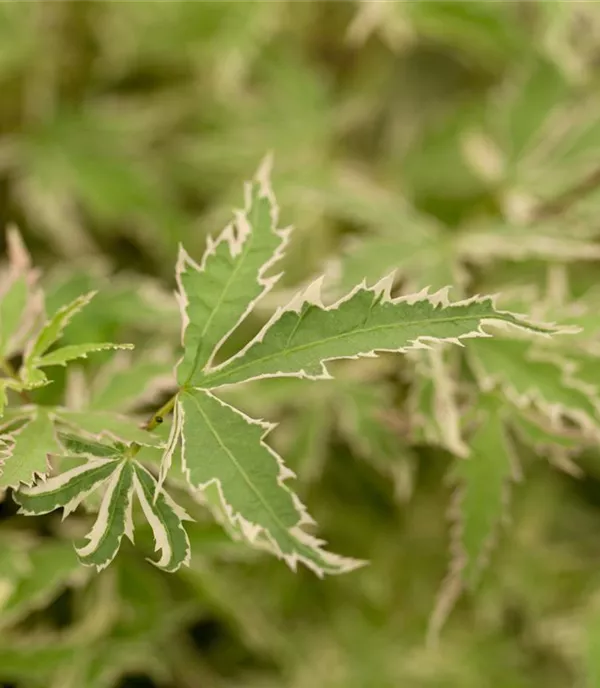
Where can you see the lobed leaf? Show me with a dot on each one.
(69, 353)
(113, 521)
(530, 381)
(106, 425)
(302, 338)
(28, 456)
(224, 448)
(53, 329)
(481, 496)
(165, 518)
(66, 490)
(216, 295)
(84, 447)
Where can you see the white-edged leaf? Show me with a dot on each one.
(172, 443)
(557, 444)
(105, 425)
(225, 448)
(479, 505)
(165, 518)
(13, 302)
(53, 329)
(114, 520)
(21, 299)
(522, 242)
(482, 492)
(528, 380)
(216, 295)
(434, 402)
(300, 339)
(80, 446)
(32, 445)
(66, 490)
(69, 353)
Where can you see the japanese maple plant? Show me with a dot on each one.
(54, 457)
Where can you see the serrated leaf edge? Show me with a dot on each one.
(162, 542)
(252, 532)
(100, 524)
(382, 290)
(235, 244)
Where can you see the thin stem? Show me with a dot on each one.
(155, 420)
(10, 371)
(158, 416)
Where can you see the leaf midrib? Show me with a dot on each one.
(232, 275)
(243, 473)
(227, 370)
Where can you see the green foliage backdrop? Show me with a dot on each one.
(453, 142)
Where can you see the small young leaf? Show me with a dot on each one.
(74, 351)
(433, 402)
(216, 295)
(12, 305)
(300, 339)
(114, 520)
(66, 490)
(28, 458)
(53, 329)
(164, 517)
(105, 425)
(223, 447)
(483, 479)
(478, 507)
(84, 447)
(529, 381)
(21, 300)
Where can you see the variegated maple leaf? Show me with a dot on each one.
(112, 470)
(224, 452)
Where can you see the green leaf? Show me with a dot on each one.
(66, 490)
(481, 497)
(478, 507)
(21, 301)
(113, 521)
(364, 417)
(53, 329)
(165, 518)
(216, 295)
(223, 447)
(26, 660)
(591, 645)
(106, 425)
(72, 352)
(300, 339)
(53, 566)
(528, 380)
(32, 445)
(84, 447)
(435, 409)
(12, 305)
(309, 444)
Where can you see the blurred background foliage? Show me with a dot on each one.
(455, 141)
